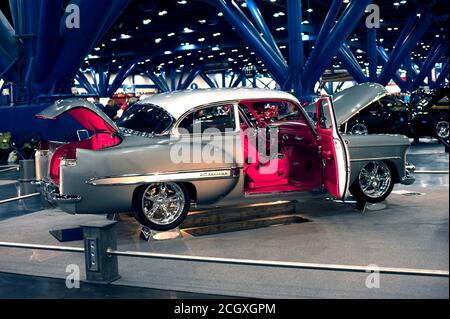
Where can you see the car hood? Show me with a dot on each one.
(86, 113)
(350, 102)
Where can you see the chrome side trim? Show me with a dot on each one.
(225, 173)
(376, 159)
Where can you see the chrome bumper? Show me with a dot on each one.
(409, 178)
(51, 193)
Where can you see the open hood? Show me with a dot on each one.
(86, 113)
(350, 102)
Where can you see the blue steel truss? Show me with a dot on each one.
(42, 57)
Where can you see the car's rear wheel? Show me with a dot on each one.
(442, 129)
(161, 206)
(359, 129)
(374, 184)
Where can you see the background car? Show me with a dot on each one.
(430, 113)
(386, 115)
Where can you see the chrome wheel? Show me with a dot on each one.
(163, 203)
(360, 129)
(442, 129)
(375, 180)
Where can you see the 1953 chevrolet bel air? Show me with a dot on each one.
(210, 148)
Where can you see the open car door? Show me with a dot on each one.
(334, 151)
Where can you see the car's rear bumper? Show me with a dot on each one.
(409, 178)
(51, 193)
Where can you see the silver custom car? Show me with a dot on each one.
(210, 148)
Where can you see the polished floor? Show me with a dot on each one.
(412, 232)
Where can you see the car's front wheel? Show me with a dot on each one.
(161, 206)
(374, 184)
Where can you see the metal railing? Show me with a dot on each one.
(8, 168)
(425, 172)
(282, 264)
(14, 199)
(101, 257)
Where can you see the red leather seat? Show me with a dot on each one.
(273, 173)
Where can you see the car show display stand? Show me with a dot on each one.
(231, 219)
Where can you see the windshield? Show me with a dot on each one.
(146, 118)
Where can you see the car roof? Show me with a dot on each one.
(179, 102)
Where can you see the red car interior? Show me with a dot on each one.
(103, 138)
(297, 164)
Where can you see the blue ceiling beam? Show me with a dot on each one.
(157, 81)
(345, 55)
(82, 79)
(48, 37)
(77, 43)
(442, 76)
(276, 66)
(430, 63)
(94, 78)
(8, 49)
(262, 26)
(296, 54)
(121, 76)
(410, 36)
(173, 79)
(327, 25)
(239, 80)
(340, 32)
(224, 79)
(372, 53)
(102, 82)
(190, 78)
(384, 58)
(408, 66)
(207, 79)
(180, 79)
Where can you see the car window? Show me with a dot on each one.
(325, 116)
(146, 118)
(219, 117)
(277, 111)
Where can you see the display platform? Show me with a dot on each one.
(411, 232)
